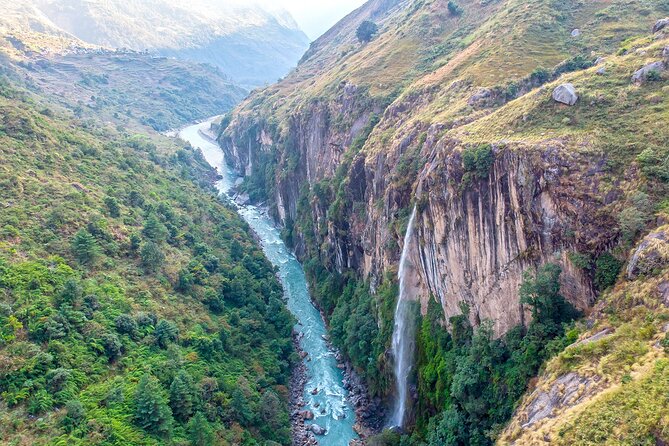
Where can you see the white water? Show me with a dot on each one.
(330, 405)
(404, 331)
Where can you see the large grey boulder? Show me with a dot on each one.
(665, 54)
(318, 430)
(661, 24)
(576, 33)
(641, 75)
(565, 94)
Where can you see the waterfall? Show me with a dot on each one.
(404, 331)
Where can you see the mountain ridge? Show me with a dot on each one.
(251, 43)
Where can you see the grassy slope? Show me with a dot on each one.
(628, 403)
(214, 285)
(421, 46)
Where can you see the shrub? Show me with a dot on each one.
(540, 76)
(454, 9)
(40, 402)
(579, 260)
(366, 31)
(654, 76)
(654, 164)
(74, 415)
(477, 161)
(607, 269)
(576, 63)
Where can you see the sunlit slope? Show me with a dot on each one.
(135, 307)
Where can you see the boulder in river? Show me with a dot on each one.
(565, 94)
(307, 414)
(318, 430)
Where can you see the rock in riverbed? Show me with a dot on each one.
(318, 430)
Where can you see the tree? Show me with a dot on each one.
(126, 325)
(607, 269)
(274, 418)
(154, 229)
(366, 31)
(165, 333)
(477, 161)
(71, 292)
(152, 257)
(84, 247)
(449, 429)
(200, 432)
(113, 208)
(152, 412)
(182, 396)
(239, 402)
(112, 346)
(542, 294)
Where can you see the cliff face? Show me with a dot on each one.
(535, 207)
(474, 239)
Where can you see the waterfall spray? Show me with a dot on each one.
(403, 334)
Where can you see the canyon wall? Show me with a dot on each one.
(538, 203)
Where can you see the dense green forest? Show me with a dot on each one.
(135, 307)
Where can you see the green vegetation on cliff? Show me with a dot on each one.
(135, 307)
(469, 382)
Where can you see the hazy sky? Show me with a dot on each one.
(317, 16)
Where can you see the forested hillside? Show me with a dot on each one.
(135, 307)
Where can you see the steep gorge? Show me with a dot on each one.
(453, 114)
(541, 199)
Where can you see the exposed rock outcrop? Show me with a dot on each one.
(642, 74)
(660, 25)
(651, 255)
(566, 391)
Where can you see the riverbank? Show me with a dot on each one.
(323, 410)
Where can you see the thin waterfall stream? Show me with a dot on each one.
(324, 393)
(404, 330)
